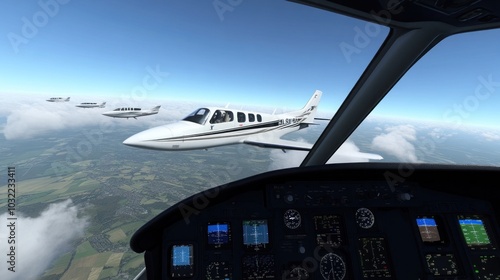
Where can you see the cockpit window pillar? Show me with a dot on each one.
(198, 116)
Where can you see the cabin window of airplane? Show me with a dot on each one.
(199, 116)
(251, 117)
(241, 117)
(259, 118)
(221, 116)
(229, 116)
(137, 109)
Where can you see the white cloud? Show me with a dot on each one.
(32, 120)
(39, 240)
(490, 136)
(281, 160)
(438, 134)
(398, 141)
(29, 119)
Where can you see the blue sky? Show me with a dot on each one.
(274, 53)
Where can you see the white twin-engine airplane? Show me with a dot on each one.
(128, 112)
(58, 99)
(91, 105)
(212, 127)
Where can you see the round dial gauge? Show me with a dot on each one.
(332, 267)
(365, 218)
(298, 273)
(292, 218)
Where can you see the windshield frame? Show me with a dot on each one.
(198, 116)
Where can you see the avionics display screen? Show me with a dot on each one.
(442, 264)
(486, 266)
(218, 235)
(374, 258)
(474, 231)
(181, 261)
(428, 229)
(328, 230)
(255, 234)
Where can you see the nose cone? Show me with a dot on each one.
(154, 138)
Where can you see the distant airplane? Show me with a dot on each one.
(127, 112)
(58, 99)
(91, 105)
(211, 127)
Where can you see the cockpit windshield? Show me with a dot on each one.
(199, 116)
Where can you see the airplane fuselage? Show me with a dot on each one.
(131, 112)
(58, 99)
(206, 131)
(91, 105)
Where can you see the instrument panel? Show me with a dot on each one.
(326, 227)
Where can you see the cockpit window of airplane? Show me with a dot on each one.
(301, 139)
(199, 116)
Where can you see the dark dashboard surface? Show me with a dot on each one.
(349, 221)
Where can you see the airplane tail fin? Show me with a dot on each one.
(67, 99)
(156, 109)
(310, 109)
(102, 105)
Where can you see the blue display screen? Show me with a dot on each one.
(181, 255)
(255, 232)
(218, 233)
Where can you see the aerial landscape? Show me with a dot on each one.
(72, 193)
(115, 192)
(87, 193)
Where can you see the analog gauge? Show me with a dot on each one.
(298, 273)
(219, 270)
(332, 267)
(365, 218)
(292, 218)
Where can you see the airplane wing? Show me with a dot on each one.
(346, 152)
(279, 144)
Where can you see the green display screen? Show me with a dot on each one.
(474, 232)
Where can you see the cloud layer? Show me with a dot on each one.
(398, 141)
(39, 240)
(30, 120)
